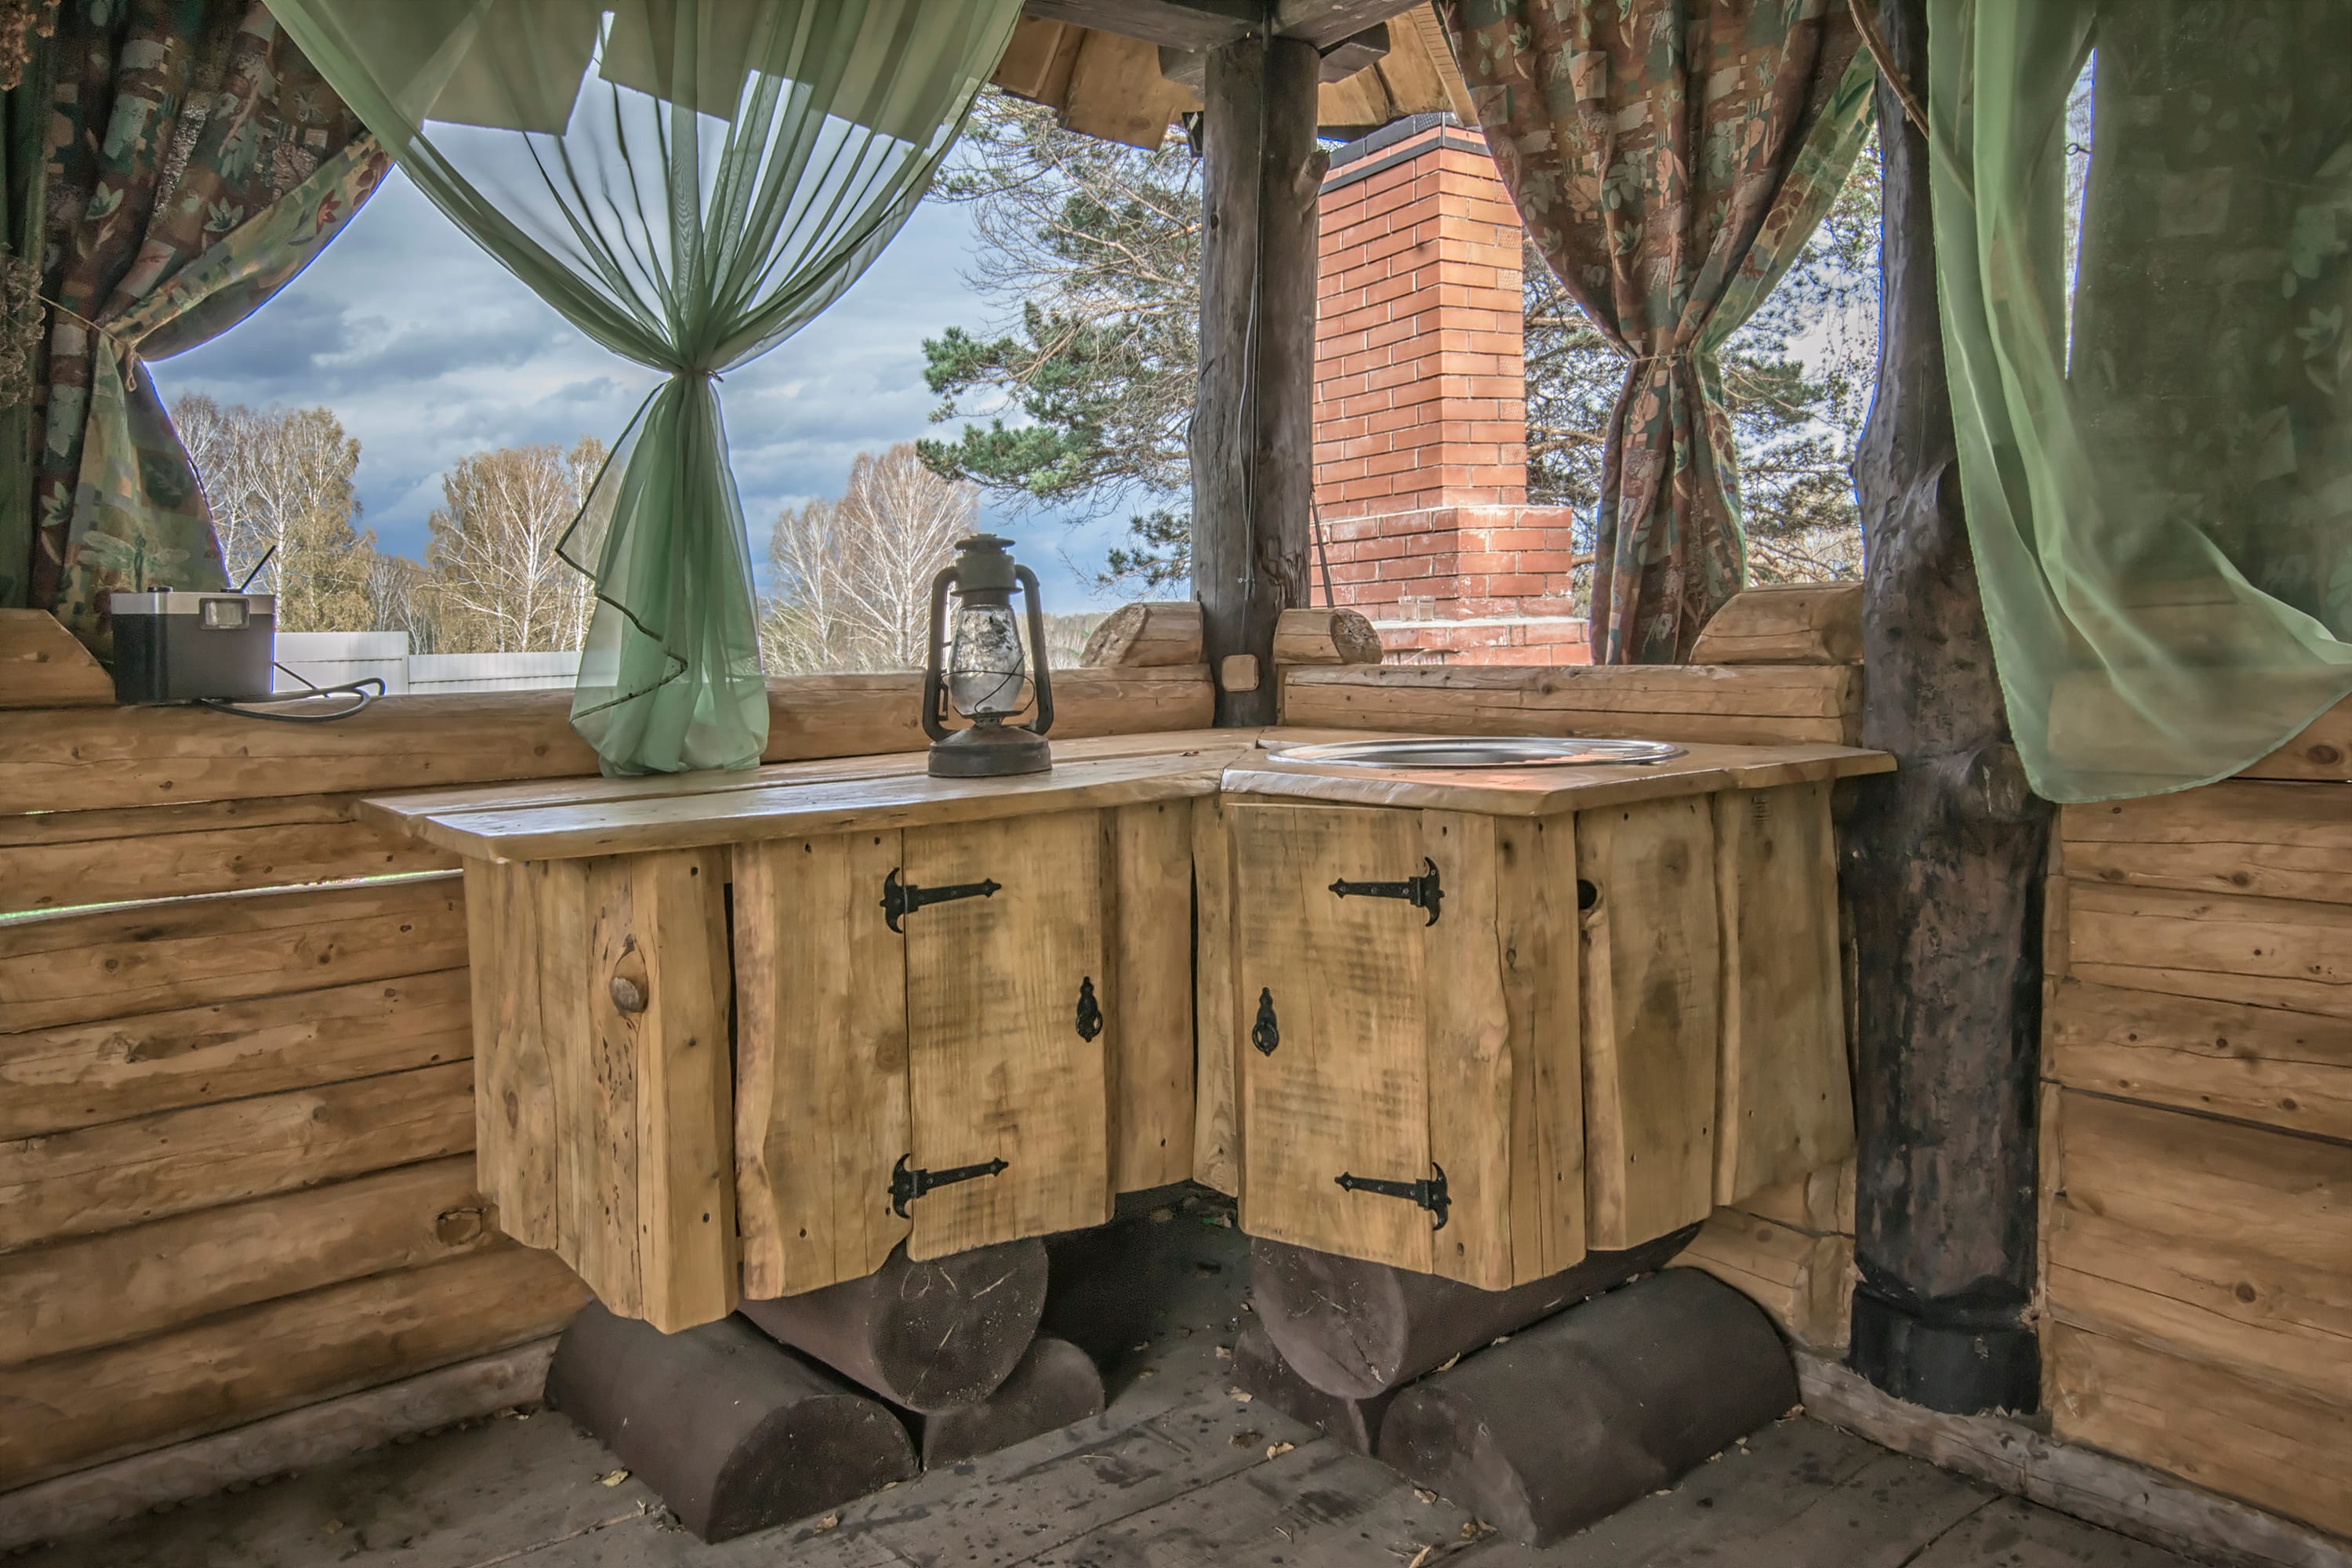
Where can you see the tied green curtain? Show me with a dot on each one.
(1670, 159)
(196, 163)
(2158, 479)
(689, 182)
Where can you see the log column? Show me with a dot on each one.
(1251, 435)
(1944, 871)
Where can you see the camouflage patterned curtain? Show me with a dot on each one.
(196, 162)
(1670, 158)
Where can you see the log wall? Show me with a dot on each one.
(2196, 1132)
(235, 1096)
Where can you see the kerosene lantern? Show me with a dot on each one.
(986, 679)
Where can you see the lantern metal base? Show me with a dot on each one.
(991, 752)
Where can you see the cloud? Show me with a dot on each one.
(427, 350)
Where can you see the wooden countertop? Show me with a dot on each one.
(565, 819)
(1546, 792)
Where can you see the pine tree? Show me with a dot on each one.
(1092, 251)
(1095, 249)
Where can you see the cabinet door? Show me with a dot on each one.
(1005, 996)
(1331, 991)
(820, 1061)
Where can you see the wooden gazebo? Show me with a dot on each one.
(341, 1066)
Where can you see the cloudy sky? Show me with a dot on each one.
(426, 350)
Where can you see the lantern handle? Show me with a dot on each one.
(934, 687)
(1028, 581)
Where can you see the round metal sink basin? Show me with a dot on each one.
(1477, 752)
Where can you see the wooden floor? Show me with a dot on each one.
(1178, 1473)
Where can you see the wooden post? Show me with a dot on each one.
(1251, 433)
(1944, 872)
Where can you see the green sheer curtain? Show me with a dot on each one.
(1670, 159)
(689, 182)
(2155, 452)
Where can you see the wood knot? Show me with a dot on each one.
(2326, 755)
(455, 1227)
(628, 994)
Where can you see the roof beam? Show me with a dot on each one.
(1178, 24)
(1195, 25)
(1188, 68)
(1327, 22)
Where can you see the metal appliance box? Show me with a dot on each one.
(176, 644)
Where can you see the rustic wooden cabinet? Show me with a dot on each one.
(960, 1013)
(1480, 1024)
(743, 1035)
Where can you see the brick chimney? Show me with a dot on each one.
(1420, 457)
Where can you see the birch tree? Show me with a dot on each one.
(282, 480)
(498, 584)
(851, 580)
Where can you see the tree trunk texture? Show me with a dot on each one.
(929, 1336)
(1253, 427)
(1943, 868)
(1056, 1385)
(1356, 1330)
(1587, 1411)
(733, 1432)
(1260, 1372)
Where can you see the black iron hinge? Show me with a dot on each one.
(907, 1186)
(902, 898)
(1422, 893)
(1090, 1018)
(1429, 1194)
(1265, 1034)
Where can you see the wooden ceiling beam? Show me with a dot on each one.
(1327, 22)
(1338, 63)
(1210, 23)
(1178, 24)
(1358, 52)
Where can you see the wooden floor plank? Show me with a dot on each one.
(2010, 1533)
(1747, 1490)
(1878, 1517)
(1316, 1506)
(1175, 1474)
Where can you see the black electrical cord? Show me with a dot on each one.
(358, 689)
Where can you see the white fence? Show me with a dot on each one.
(336, 659)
